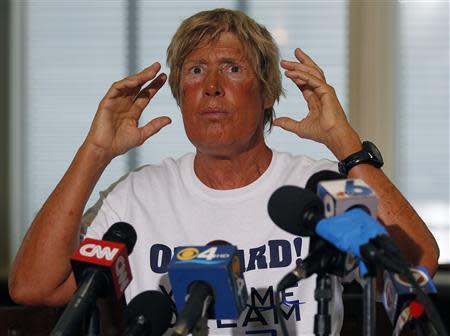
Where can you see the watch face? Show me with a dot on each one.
(373, 151)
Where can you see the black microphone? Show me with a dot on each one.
(295, 210)
(322, 176)
(101, 268)
(122, 232)
(148, 313)
(322, 258)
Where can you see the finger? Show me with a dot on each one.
(143, 98)
(135, 81)
(310, 96)
(320, 87)
(153, 127)
(287, 124)
(304, 58)
(292, 75)
(302, 84)
(293, 66)
(299, 82)
(312, 100)
(147, 74)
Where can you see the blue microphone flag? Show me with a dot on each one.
(218, 266)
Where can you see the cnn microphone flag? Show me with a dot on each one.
(107, 255)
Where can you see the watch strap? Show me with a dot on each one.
(365, 155)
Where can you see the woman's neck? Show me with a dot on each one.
(224, 172)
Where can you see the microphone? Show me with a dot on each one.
(295, 210)
(340, 195)
(108, 258)
(322, 176)
(332, 260)
(212, 279)
(398, 292)
(301, 212)
(323, 257)
(148, 313)
(354, 231)
(401, 301)
(100, 268)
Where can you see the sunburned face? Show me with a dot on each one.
(221, 99)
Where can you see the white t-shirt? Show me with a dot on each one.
(169, 206)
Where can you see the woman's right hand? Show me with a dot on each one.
(115, 129)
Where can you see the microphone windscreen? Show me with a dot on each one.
(154, 307)
(320, 176)
(122, 232)
(290, 205)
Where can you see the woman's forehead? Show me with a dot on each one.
(227, 46)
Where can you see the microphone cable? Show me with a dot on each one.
(382, 250)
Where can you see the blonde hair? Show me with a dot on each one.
(258, 44)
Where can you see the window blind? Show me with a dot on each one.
(73, 50)
(422, 119)
(321, 30)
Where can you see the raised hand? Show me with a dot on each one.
(115, 127)
(326, 121)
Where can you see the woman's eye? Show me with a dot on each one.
(196, 70)
(235, 68)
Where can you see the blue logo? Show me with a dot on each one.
(356, 190)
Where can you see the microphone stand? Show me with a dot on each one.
(201, 327)
(369, 302)
(94, 321)
(82, 300)
(322, 294)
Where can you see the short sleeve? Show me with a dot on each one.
(108, 210)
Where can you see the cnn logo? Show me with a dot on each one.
(98, 251)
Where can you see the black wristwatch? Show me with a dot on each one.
(368, 154)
